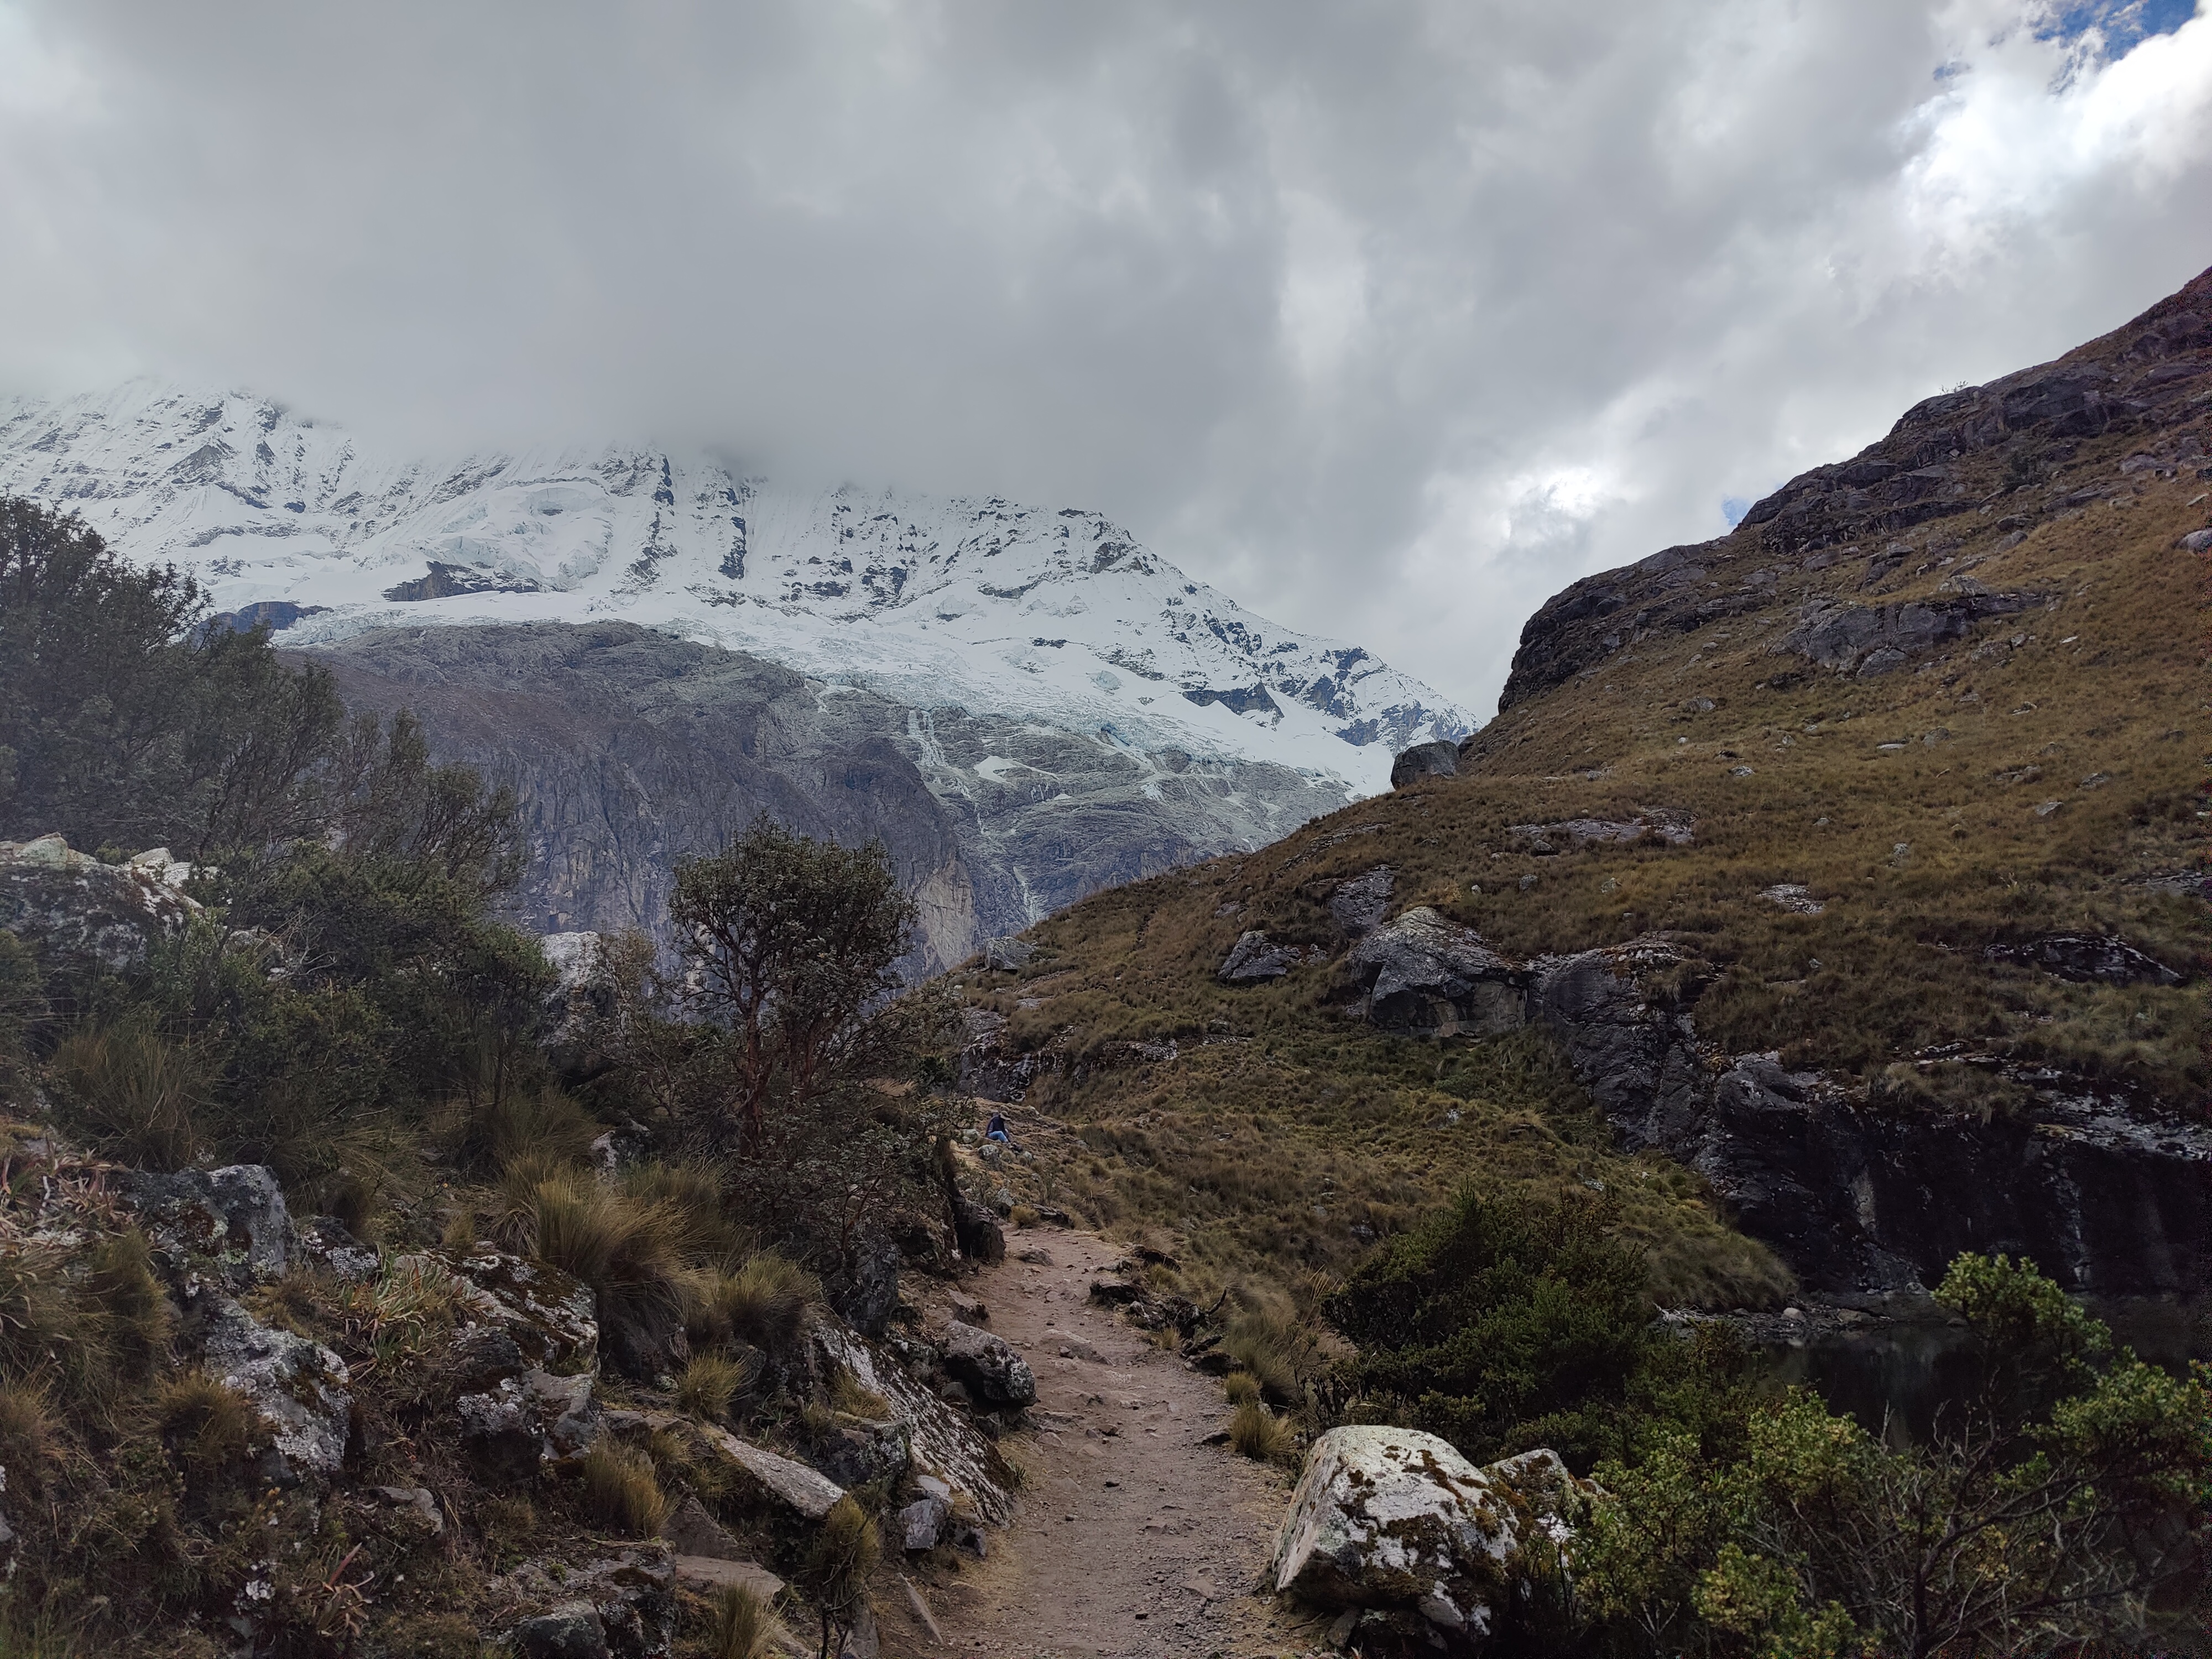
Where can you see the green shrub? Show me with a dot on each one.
(1504, 1325)
(622, 1493)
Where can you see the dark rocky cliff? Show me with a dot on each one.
(632, 748)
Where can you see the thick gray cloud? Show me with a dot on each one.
(1391, 317)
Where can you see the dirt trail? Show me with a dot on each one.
(1133, 1537)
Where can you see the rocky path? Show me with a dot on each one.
(1133, 1538)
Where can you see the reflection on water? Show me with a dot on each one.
(1907, 1376)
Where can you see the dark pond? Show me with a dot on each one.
(1905, 1376)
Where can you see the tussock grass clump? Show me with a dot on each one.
(765, 1301)
(1257, 1433)
(137, 1091)
(119, 1283)
(849, 1394)
(844, 1552)
(1241, 1388)
(1024, 1215)
(29, 1433)
(711, 1383)
(1279, 1353)
(622, 1491)
(209, 1426)
(745, 1626)
(627, 1251)
(692, 1195)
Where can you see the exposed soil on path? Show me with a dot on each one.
(1133, 1537)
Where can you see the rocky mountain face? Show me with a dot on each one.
(1072, 709)
(631, 749)
(1858, 863)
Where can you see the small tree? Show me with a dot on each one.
(788, 942)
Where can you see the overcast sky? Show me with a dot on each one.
(1389, 318)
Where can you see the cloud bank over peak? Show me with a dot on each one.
(1388, 320)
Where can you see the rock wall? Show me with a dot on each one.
(631, 749)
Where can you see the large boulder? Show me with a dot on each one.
(988, 1366)
(1255, 958)
(229, 1226)
(1359, 903)
(1397, 1520)
(2085, 958)
(1439, 759)
(81, 915)
(1426, 975)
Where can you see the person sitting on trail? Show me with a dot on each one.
(996, 1130)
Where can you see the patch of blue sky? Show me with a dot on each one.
(2123, 23)
(1733, 508)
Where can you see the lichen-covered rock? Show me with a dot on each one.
(1392, 1518)
(994, 1373)
(859, 1451)
(327, 1243)
(2085, 958)
(524, 1422)
(621, 1606)
(1425, 974)
(551, 1316)
(228, 1226)
(81, 915)
(300, 1387)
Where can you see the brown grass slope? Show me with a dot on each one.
(1954, 688)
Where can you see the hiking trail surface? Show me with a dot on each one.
(1133, 1537)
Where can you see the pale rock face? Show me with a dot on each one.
(993, 1373)
(1391, 1518)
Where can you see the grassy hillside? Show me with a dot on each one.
(1952, 692)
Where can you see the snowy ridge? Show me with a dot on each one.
(1053, 616)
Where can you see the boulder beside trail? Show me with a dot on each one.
(1392, 1519)
(993, 1373)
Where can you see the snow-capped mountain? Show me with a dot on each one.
(1043, 659)
(990, 606)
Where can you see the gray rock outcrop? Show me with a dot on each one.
(2085, 958)
(1359, 903)
(2103, 1196)
(301, 1387)
(1256, 959)
(1392, 1519)
(941, 1444)
(1424, 760)
(1425, 974)
(1872, 639)
(229, 1225)
(630, 749)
